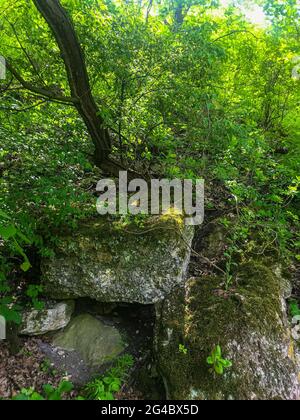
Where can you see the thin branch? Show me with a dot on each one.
(233, 33)
(7, 87)
(39, 90)
(25, 52)
(149, 8)
(16, 110)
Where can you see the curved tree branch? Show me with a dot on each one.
(47, 93)
(17, 110)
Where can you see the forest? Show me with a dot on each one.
(101, 300)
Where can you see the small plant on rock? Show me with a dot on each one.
(294, 308)
(217, 362)
(183, 349)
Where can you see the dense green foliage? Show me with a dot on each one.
(188, 88)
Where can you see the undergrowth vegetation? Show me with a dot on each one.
(100, 389)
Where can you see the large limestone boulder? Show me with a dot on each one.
(94, 341)
(54, 317)
(110, 262)
(250, 324)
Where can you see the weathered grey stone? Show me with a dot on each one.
(114, 263)
(96, 342)
(50, 319)
(250, 324)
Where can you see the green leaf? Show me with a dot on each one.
(37, 397)
(10, 314)
(226, 363)
(6, 300)
(65, 386)
(3, 215)
(108, 396)
(218, 352)
(115, 386)
(8, 232)
(107, 380)
(219, 369)
(33, 291)
(21, 397)
(39, 306)
(294, 308)
(55, 396)
(24, 238)
(25, 266)
(48, 389)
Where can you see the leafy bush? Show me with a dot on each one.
(13, 239)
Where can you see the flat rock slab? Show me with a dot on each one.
(94, 341)
(110, 262)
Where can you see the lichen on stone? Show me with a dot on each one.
(111, 263)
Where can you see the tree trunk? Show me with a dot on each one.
(13, 340)
(179, 13)
(72, 54)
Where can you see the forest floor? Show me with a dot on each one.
(31, 369)
(25, 370)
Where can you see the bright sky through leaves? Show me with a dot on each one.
(253, 12)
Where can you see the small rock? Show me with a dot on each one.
(50, 319)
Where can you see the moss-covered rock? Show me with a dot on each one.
(248, 322)
(94, 341)
(115, 263)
